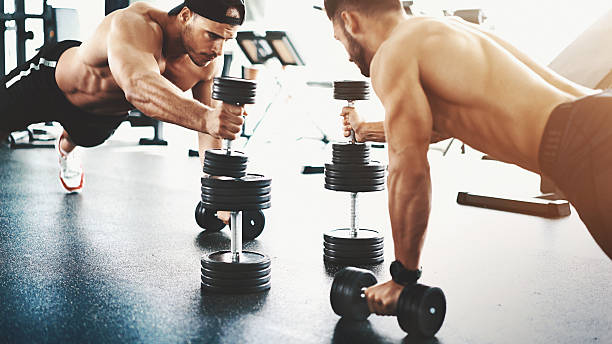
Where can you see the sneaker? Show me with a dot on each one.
(71, 171)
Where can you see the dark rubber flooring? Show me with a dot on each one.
(120, 263)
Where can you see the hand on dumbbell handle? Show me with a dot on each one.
(225, 121)
(382, 298)
(351, 121)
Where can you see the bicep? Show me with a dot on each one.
(132, 44)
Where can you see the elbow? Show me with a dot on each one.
(133, 89)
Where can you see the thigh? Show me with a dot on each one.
(89, 130)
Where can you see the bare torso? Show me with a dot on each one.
(84, 75)
(480, 93)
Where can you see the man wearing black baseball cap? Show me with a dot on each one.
(138, 58)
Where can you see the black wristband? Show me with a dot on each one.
(401, 276)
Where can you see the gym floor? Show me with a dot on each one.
(121, 261)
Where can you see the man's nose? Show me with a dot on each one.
(218, 48)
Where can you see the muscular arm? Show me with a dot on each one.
(133, 43)
(408, 125)
(371, 132)
(544, 72)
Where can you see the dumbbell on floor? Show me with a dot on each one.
(227, 187)
(420, 309)
(352, 171)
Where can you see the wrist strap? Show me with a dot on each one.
(401, 276)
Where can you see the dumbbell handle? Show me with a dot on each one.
(228, 142)
(354, 215)
(236, 229)
(351, 104)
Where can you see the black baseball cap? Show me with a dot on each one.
(215, 10)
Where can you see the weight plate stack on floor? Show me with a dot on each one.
(220, 274)
(342, 248)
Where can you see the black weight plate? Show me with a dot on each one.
(221, 155)
(347, 157)
(345, 293)
(350, 97)
(233, 99)
(342, 84)
(356, 174)
(240, 169)
(207, 220)
(351, 248)
(354, 182)
(236, 207)
(355, 189)
(226, 173)
(343, 236)
(235, 275)
(221, 261)
(232, 192)
(240, 290)
(235, 283)
(373, 166)
(352, 161)
(231, 82)
(253, 223)
(421, 310)
(241, 92)
(246, 182)
(237, 200)
(350, 147)
(362, 254)
(351, 91)
(354, 261)
(232, 95)
(351, 153)
(224, 165)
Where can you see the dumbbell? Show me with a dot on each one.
(352, 171)
(227, 187)
(420, 309)
(226, 162)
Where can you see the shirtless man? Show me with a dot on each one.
(440, 78)
(138, 57)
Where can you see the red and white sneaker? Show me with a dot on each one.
(71, 171)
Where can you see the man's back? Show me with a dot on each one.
(477, 91)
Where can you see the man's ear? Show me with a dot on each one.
(185, 15)
(351, 22)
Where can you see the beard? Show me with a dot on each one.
(200, 60)
(357, 54)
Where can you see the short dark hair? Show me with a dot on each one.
(335, 7)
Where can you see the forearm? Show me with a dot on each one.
(372, 132)
(158, 98)
(409, 208)
(206, 142)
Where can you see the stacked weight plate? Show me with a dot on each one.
(352, 171)
(251, 192)
(234, 91)
(351, 90)
(220, 162)
(221, 275)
